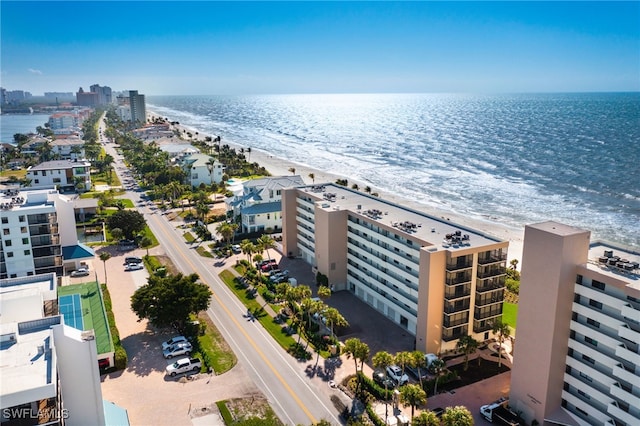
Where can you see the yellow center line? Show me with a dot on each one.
(249, 339)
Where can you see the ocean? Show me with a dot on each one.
(10, 124)
(512, 159)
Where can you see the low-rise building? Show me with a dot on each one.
(202, 169)
(436, 279)
(259, 203)
(67, 175)
(577, 352)
(68, 148)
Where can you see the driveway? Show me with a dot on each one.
(142, 388)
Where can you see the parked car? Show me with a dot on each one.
(279, 276)
(265, 262)
(269, 267)
(173, 341)
(396, 375)
(380, 378)
(80, 272)
(132, 259)
(184, 365)
(236, 248)
(438, 411)
(134, 267)
(182, 348)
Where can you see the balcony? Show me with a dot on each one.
(494, 256)
(489, 299)
(485, 313)
(491, 271)
(461, 262)
(458, 278)
(458, 306)
(38, 219)
(43, 229)
(449, 335)
(482, 326)
(490, 284)
(45, 240)
(457, 293)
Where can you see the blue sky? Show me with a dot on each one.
(210, 48)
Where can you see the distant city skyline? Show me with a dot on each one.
(220, 48)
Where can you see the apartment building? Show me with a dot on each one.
(259, 202)
(436, 279)
(577, 354)
(36, 228)
(65, 174)
(138, 107)
(68, 148)
(49, 371)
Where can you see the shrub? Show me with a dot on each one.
(120, 358)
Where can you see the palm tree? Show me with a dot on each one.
(266, 242)
(227, 230)
(382, 360)
(514, 264)
(426, 418)
(418, 361)
(334, 318)
(502, 331)
(247, 248)
(402, 359)
(292, 170)
(312, 176)
(457, 416)
(359, 350)
(146, 242)
(324, 292)
(437, 367)
(467, 345)
(104, 256)
(412, 395)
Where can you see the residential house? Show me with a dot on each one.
(65, 174)
(202, 169)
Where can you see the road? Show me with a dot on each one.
(294, 398)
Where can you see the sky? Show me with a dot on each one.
(220, 48)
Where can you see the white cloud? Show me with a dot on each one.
(34, 71)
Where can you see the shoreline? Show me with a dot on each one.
(278, 166)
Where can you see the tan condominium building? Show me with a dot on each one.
(436, 279)
(577, 358)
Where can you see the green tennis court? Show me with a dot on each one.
(71, 308)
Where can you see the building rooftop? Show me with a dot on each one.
(263, 208)
(11, 198)
(430, 230)
(77, 251)
(616, 261)
(59, 164)
(28, 362)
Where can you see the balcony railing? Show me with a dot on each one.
(456, 279)
(491, 257)
(497, 297)
(457, 294)
(459, 265)
(491, 271)
(478, 328)
(484, 313)
(449, 335)
(451, 308)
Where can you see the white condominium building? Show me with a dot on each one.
(577, 355)
(65, 174)
(436, 279)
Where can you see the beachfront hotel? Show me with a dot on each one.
(577, 355)
(436, 279)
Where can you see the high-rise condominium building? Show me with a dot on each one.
(137, 105)
(436, 279)
(577, 357)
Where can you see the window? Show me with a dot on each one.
(593, 322)
(23, 229)
(7, 243)
(598, 285)
(6, 231)
(56, 180)
(5, 220)
(44, 173)
(587, 378)
(595, 303)
(36, 181)
(588, 359)
(25, 241)
(27, 252)
(9, 254)
(590, 341)
(21, 218)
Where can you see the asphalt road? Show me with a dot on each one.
(293, 397)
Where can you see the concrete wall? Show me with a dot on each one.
(331, 247)
(550, 256)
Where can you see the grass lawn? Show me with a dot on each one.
(218, 351)
(510, 314)
(189, 237)
(251, 303)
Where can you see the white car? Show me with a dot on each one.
(173, 341)
(236, 248)
(80, 272)
(134, 267)
(396, 375)
(184, 365)
(182, 348)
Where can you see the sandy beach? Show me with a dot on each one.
(280, 167)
